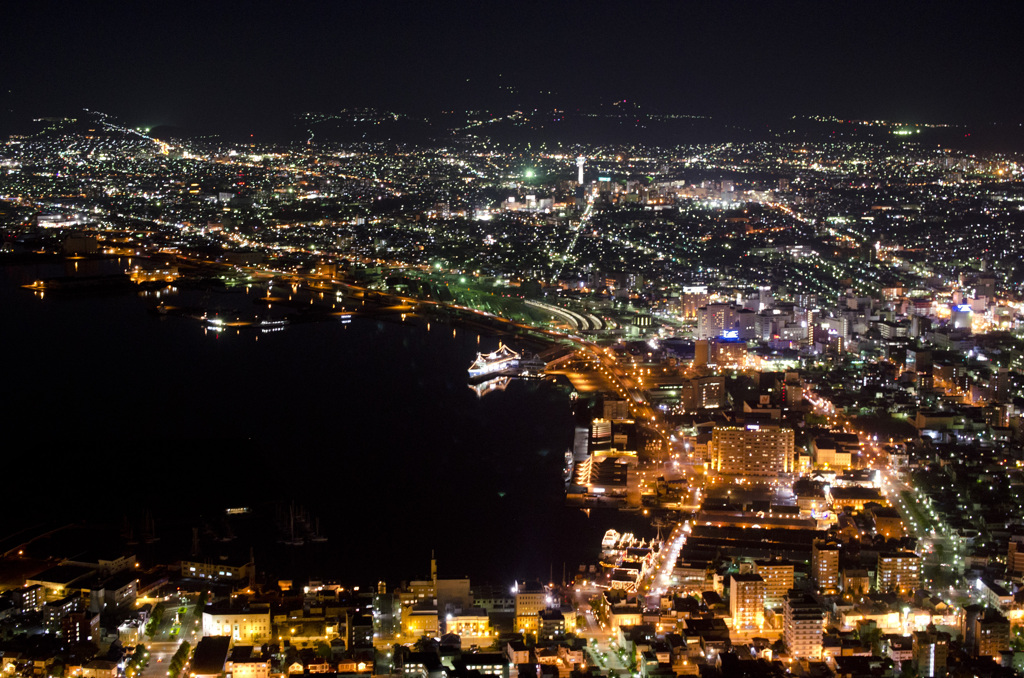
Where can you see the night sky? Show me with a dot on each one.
(226, 64)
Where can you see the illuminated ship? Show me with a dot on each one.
(502, 360)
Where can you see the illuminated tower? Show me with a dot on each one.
(579, 167)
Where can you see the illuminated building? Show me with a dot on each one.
(552, 625)
(702, 393)
(486, 663)
(825, 566)
(888, 522)
(29, 597)
(469, 624)
(898, 572)
(729, 350)
(803, 626)
(828, 455)
(793, 390)
(960, 316)
(714, 319)
(242, 664)
(445, 595)
(106, 567)
(856, 497)
(615, 409)
(58, 581)
(55, 611)
(991, 634)
(1015, 556)
(624, 614)
(600, 435)
(752, 451)
(387, 612)
(692, 299)
(421, 620)
(219, 571)
(930, 650)
(778, 580)
(118, 591)
(80, 627)
(746, 601)
(746, 325)
(1000, 384)
(245, 625)
(855, 581)
(99, 668)
(531, 599)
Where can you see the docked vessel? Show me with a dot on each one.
(503, 359)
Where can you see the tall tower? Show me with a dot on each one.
(580, 161)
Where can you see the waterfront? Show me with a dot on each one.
(368, 426)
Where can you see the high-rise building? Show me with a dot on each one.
(991, 634)
(387, 612)
(531, 599)
(960, 316)
(746, 601)
(752, 450)
(1015, 555)
(692, 299)
(701, 393)
(1000, 384)
(825, 566)
(715, 319)
(803, 626)
(778, 580)
(898, 572)
(930, 650)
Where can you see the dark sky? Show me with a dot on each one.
(225, 63)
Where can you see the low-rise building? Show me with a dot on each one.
(242, 624)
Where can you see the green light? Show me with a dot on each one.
(529, 173)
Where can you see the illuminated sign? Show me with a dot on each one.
(730, 334)
(962, 308)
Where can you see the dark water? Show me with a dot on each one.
(114, 414)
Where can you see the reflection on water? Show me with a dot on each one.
(368, 424)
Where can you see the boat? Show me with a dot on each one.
(501, 360)
(266, 325)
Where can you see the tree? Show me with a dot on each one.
(323, 650)
(425, 644)
(154, 620)
(179, 659)
(908, 670)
